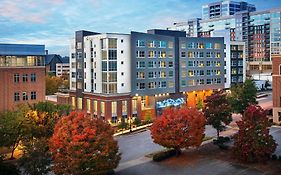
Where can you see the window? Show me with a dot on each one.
(201, 81)
(151, 54)
(16, 78)
(112, 54)
(162, 44)
(208, 54)
(24, 77)
(209, 81)
(162, 64)
(140, 54)
(140, 64)
(191, 73)
(183, 83)
(33, 95)
(162, 84)
(200, 45)
(122, 51)
(183, 45)
(112, 43)
(102, 108)
(208, 63)
(16, 96)
(183, 64)
(112, 66)
(151, 74)
(124, 107)
(183, 54)
(24, 96)
(112, 77)
(190, 63)
(114, 108)
(209, 72)
(162, 74)
(171, 64)
(140, 75)
(162, 54)
(140, 86)
(152, 64)
(217, 46)
(104, 66)
(191, 45)
(208, 45)
(201, 64)
(33, 77)
(151, 44)
(152, 85)
(140, 43)
(200, 54)
(170, 44)
(218, 55)
(171, 74)
(170, 54)
(190, 54)
(191, 82)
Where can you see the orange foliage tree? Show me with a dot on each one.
(253, 142)
(83, 145)
(179, 128)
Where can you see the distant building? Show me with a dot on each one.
(260, 30)
(276, 88)
(51, 62)
(62, 69)
(22, 75)
(225, 8)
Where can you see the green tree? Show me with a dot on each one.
(53, 84)
(123, 124)
(199, 104)
(147, 117)
(242, 95)
(218, 111)
(137, 121)
(36, 158)
(14, 127)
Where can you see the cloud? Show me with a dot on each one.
(27, 11)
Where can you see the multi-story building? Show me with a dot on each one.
(22, 75)
(124, 75)
(62, 69)
(234, 60)
(100, 74)
(225, 8)
(260, 30)
(276, 88)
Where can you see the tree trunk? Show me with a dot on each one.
(218, 133)
(178, 151)
(12, 155)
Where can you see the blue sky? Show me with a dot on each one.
(53, 22)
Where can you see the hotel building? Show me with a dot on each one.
(260, 30)
(22, 75)
(126, 75)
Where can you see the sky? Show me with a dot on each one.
(54, 22)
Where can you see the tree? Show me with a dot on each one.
(242, 96)
(83, 145)
(147, 116)
(123, 124)
(199, 104)
(36, 158)
(253, 142)
(179, 128)
(14, 127)
(218, 111)
(53, 84)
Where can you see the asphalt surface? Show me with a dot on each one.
(134, 147)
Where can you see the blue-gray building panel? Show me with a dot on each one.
(22, 49)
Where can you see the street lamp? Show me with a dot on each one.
(130, 123)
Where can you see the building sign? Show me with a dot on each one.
(170, 102)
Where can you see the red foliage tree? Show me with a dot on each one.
(83, 145)
(179, 128)
(253, 142)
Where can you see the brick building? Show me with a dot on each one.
(276, 88)
(22, 75)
